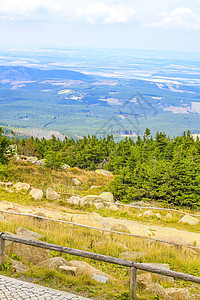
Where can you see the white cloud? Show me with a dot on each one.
(181, 18)
(76, 10)
(98, 12)
(29, 9)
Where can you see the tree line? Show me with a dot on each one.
(162, 168)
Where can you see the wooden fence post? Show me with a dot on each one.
(2, 250)
(133, 283)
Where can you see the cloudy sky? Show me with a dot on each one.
(133, 24)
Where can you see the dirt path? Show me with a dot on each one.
(95, 220)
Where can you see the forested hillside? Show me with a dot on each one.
(162, 169)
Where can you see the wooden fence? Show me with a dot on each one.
(134, 266)
(102, 229)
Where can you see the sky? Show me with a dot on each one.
(133, 24)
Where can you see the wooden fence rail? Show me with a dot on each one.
(101, 229)
(113, 260)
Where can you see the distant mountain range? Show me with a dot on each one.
(21, 73)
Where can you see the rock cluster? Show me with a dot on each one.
(104, 200)
(144, 282)
(28, 254)
(35, 193)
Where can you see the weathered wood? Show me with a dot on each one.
(102, 229)
(178, 275)
(133, 283)
(2, 250)
(104, 258)
(86, 254)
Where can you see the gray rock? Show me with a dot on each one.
(68, 270)
(161, 266)
(31, 159)
(120, 227)
(148, 214)
(21, 186)
(113, 207)
(29, 234)
(65, 167)
(101, 279)
(40, 162)
(93, 199)
(53, 263)
(18, 266)
(189, 220)
(52, 195)
(27, 253)
(36, 193)
(6, 184)
(103, 172)
(99, 205)
(168, 216)
(158, 215)
(76, 182)
(156, 289)
(144, 280)
(107, 196)
(178, 293)
(75, 200)
(94, 186)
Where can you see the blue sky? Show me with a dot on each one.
(137, 24)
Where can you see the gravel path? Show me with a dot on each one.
(11, 289)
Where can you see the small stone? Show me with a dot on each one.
(158, 215)
(107, 196)
(103, 172)
(161, 266)
(21, 186)
(189, 220)
(148, 214)
(113, 207)
(144, 280)
(101, 279)
(120, 228)
(68, 270)
(156, 289)
(178, 293)
(65, 167)
(52, 195)
(53, 263)
(40, 214)
(36, 193)
(168, 216)
(99, 205)
(29, 234)
(8, 184)
(94, 186)
(76, 182)
(40, 162)
(18, 266)
(75, 200)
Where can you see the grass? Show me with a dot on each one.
(42, 177)
(180, 259)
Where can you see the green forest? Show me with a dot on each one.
(162, 169)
